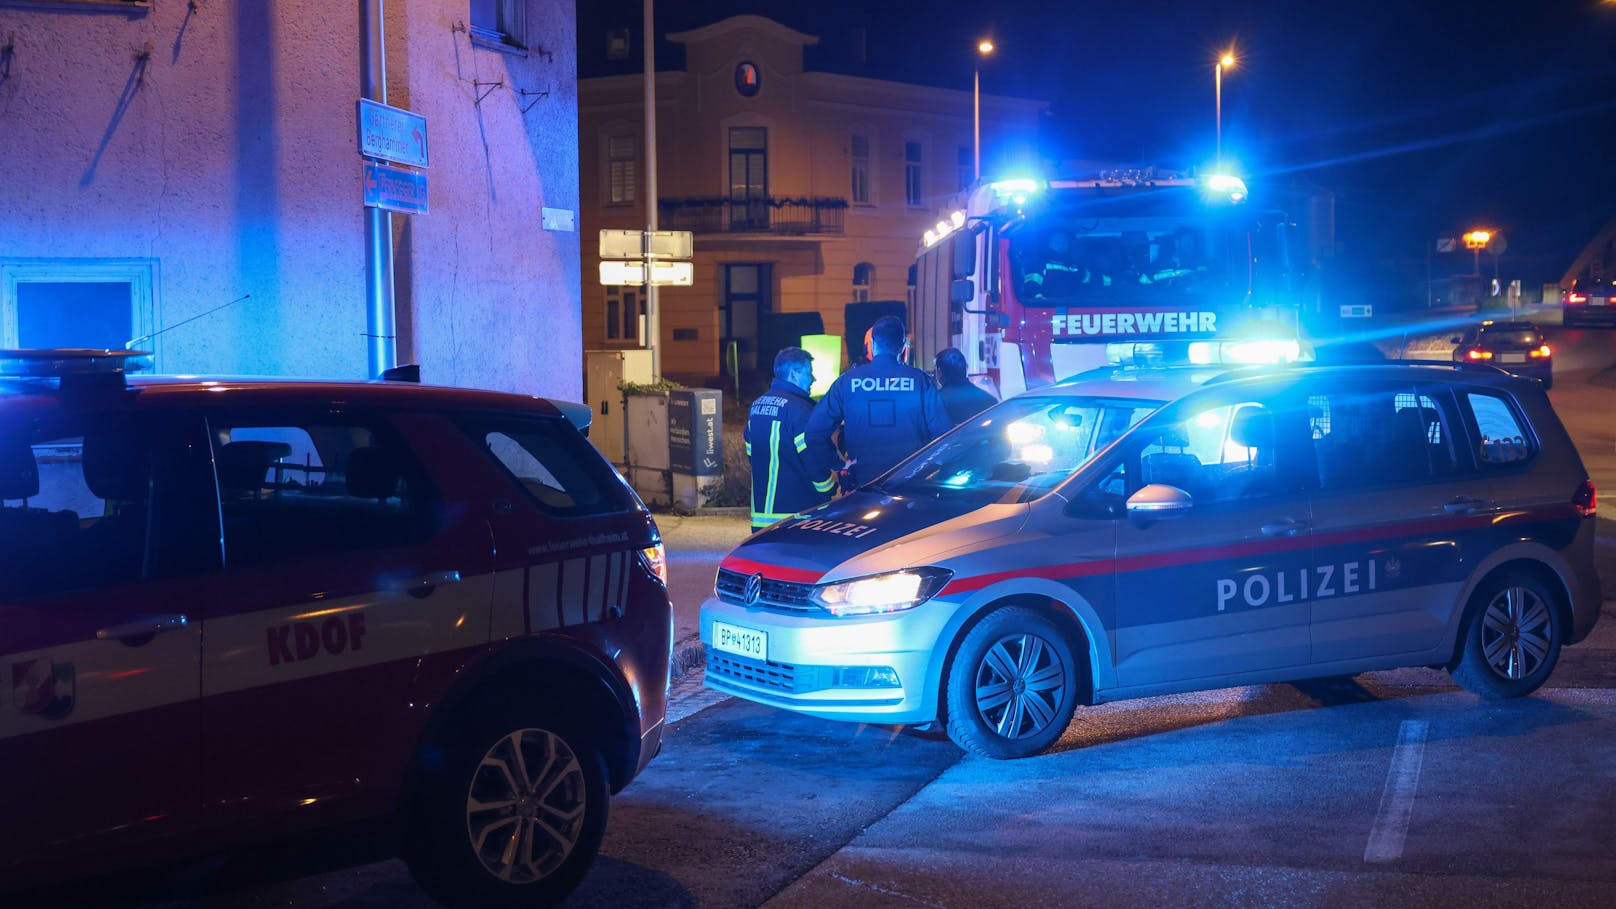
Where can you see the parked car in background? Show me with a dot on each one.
(239, 613)
(1518, 348)
(1589, 302)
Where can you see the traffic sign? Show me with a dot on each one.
(392, 133)
(618, 273)
(395, 189)
(646, 244)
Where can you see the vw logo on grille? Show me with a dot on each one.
(754, 589)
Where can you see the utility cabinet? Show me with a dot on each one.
(603, 370)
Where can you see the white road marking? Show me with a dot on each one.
(1397, 799)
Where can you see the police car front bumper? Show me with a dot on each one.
(868, 669)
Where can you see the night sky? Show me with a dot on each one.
(1425, 117)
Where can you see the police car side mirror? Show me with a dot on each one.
(1157, 501)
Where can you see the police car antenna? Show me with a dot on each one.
(130, 344)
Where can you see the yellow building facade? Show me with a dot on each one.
(805, 190)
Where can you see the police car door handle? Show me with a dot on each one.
(1463, 505)
(148, 625)
(1285, 528)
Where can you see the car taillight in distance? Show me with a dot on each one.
(1540, 353)
(1476, 353)
(1576, 298)
(1586, 499)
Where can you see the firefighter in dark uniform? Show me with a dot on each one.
(885, 409)
(785, 478)
(962, 399)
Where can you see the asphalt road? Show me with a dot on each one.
(1391, 788)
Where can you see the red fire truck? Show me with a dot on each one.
(1036, 281)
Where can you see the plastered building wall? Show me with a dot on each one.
(213, 146)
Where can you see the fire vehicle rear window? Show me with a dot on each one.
(553, 464)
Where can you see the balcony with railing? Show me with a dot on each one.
(775, 215)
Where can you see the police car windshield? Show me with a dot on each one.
(1016, 451)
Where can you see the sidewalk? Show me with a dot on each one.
(696, 544)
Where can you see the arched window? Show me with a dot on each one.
(863, 277)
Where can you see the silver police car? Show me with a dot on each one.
(1130, 533)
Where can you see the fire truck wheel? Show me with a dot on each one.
(515, 815)
(1013, 685)
(1512, 639)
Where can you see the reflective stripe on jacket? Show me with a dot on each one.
(786, 477)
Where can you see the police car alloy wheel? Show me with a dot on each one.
(514, 817)
(1012, 687)
(1512, 639)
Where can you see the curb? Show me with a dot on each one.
(688, 655)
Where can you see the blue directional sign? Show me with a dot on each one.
(392, 133)
(395, 189)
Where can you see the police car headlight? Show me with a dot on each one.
(894, 591)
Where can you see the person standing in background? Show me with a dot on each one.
(785, 478)
(885, 409)
(961, 397)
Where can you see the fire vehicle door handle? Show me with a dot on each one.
(143, 626)
(429, 580)
(1462, 505)
(1285, 528)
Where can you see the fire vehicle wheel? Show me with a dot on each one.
(1013, 685)
(515, 816)
(1512, 639)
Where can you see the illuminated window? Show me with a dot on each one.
(911, 173)
(863, 277)
(622, 170)
(861, 169)
(499, 21)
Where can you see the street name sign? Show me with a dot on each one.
(644, 244)
(392, 133)
(395, 189)
(621, 273)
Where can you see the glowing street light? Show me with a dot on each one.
(983, 49)
(1476, 241)
(1224, 62)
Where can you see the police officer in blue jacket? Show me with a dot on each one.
(886, 409)
(785, 478)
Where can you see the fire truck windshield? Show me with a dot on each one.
(1157, 247)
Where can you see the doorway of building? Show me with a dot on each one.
(748, 178)
(743, 305)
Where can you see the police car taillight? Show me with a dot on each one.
(655, 560)
(1586, 500)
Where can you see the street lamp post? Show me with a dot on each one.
(983, 48)
(1224, 62)
(1476, 241)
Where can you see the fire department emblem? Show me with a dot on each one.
(754, 589)
(1394, 566)
(43, 687)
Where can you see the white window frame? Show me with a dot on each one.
(861, 292)
(139, 274)
(509, 31)
(917, 199)
(860, 165)
(608, 165)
